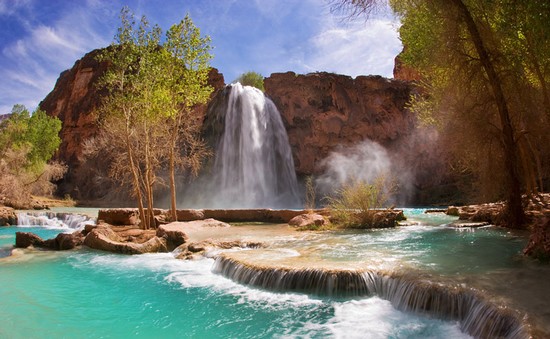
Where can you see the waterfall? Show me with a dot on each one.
(253, 165)
(477, 316)
(69, 221)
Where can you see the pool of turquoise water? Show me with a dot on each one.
(89, 294)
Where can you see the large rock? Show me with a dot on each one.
(7, 216)
(308, 220)
(324, 110)
(26, 239)
(174, 234)
(105, 239)
(62, 242)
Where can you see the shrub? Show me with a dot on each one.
(252, 79)
(355, 204)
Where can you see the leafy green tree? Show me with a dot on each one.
(27, 143)
(252, 79)
(130, 116)
(148, 117)
(186, 68)
(484, 69)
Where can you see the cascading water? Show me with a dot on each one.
(68, 221)
(253, 166)
(477, 316)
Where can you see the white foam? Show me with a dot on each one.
(377, 318)
(51, 220)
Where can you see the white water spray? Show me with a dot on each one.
(67, 221)
(253, 166)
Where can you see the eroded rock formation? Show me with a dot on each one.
(324, 110)
(321, 111)
(75, 100)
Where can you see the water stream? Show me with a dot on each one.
(91, 294)
(253, 165)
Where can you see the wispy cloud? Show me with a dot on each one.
(41, 39)
(32, 63)
(357, 48)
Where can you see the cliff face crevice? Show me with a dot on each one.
(322, 111)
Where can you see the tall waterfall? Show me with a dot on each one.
(253, 165)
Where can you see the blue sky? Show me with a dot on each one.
(39, 39)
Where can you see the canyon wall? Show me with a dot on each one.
(322, 112)
(76, 100)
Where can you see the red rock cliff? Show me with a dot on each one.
(323, 110)
(76, 99)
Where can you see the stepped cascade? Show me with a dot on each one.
(253, 165)
(477, 316)
(70, 221)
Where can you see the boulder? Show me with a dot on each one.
(65, 241)
(387, 218)
(308, 220)
(7, 216)
(173, 234)
(62, 242)
(105, 239)
(119, 216)
(26, 239)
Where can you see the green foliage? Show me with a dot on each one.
(38, 134)
(355, 204)
(252, 79)
(27, 143)
(148, 117)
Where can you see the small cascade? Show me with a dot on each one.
(253, 165)
(49, 219)
(477, 316)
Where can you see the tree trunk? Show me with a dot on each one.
(135, 176)
(515, 216)
(173, 212)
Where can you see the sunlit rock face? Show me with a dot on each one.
(324, 110)
(404, 72)
(75, 100)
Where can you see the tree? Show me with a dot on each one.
(129, 116)
(186, 68)
(252, 79)
(148, 117)
(474, 75)
(27, 143)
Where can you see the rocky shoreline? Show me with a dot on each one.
(118, 231)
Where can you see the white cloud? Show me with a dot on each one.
(32, 63)
(359, 48)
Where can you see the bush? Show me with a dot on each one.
(357, 204)
(252, 79)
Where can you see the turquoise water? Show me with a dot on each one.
(89, 294)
